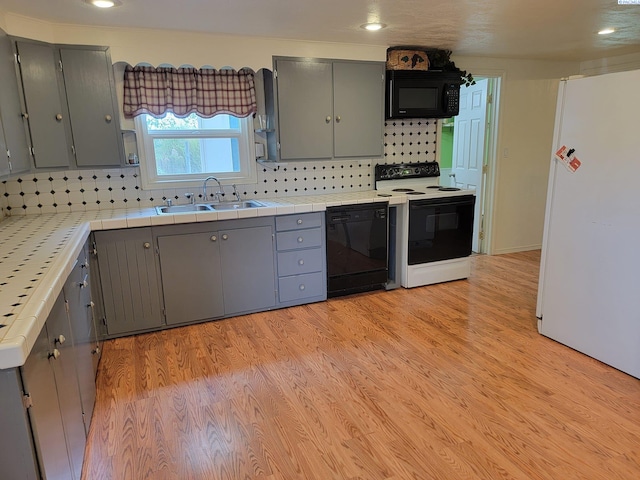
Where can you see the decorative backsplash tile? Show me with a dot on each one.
(405, 141)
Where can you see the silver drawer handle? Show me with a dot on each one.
(59, 117)
(300, 239)
(107, 118)
(299, 222)
(225, 237)
(214, 238)
(300, 262)
(146, 245)
(302, 286)
(328, 119)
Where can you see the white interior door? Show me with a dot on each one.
(469, 147)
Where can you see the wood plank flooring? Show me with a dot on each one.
(448, 381)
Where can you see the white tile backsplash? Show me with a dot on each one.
(405, 141)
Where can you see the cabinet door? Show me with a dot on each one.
(249, 274)
(358, 105)
(17, 455)
(191, 276)
(66, 376)
(78, 297)
(13, 123)
(43, 98)
(90, 97)
(305, 113)
(130, 285)
(44, 413)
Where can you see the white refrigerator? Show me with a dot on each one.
(589, 288)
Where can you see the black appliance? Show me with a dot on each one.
(422, 94)
(440, 229)
(357, 248)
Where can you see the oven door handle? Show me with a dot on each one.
(431, 204)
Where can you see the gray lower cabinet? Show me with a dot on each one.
(301, 258)
(130, 281)
(343, 113)
(46, 405)
(217, 269)
(191, 276)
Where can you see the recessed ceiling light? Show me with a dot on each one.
(104, 3)
(372, 27)
(606, 31)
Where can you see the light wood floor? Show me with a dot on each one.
(449, 381)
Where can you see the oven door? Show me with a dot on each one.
(440, 229)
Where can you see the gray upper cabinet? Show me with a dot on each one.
(329, 109)
(42, 87)
(12, 125)
(89, 86)
(71, 105)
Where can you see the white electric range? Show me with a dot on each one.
(434, 230)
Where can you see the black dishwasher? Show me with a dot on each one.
(357, 248)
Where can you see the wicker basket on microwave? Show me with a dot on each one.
(407, 60)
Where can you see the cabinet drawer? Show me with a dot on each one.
(301, 286)
(303, 220)
(299, 261)
(299, 239)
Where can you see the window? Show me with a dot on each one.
(182, 152)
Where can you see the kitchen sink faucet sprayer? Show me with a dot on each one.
(204, 189)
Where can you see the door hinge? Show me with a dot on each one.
(60, 65)
(33, 153)
(275, 73)
(490, 98)
(17, 58)
(66, 305)
(26, 401)
(485, 168)
(481, 235)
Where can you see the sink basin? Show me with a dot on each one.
(237, 205)
(165, 209)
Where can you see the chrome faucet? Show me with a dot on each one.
(235, 192)
(204, 189)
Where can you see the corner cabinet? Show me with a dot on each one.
(130, 282)
(329, 108)
(46, 404)
(71, 107)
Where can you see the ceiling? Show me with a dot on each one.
(534, 29)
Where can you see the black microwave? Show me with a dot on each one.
(422, 94)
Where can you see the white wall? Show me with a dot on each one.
(526, 116)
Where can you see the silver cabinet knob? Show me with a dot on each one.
(302, 287)
(146, 245)
(300, 262)
(214, 238)
(55, 354)
(59, 117)
(338, 118)
(300, 239)
(25, 115)
(60, 339)
(225, 237)
(96, 351)
(299, 222)
(328, 119)
(107, 118)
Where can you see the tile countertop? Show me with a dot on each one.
(37, 253)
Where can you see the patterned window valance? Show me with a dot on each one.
(182, 91)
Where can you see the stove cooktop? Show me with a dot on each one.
(418, 180)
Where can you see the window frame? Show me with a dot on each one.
(150, 180)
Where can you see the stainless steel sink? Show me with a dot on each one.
(190, 208)
(236, 205)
